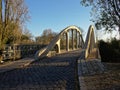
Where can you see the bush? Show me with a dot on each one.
(110, 51)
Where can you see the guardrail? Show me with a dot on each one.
(16, 51)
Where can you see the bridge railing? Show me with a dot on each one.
(18, 51)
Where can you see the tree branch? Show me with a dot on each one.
(115, 9)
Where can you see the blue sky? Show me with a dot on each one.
(56, 15)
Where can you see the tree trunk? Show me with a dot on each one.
(1, 22)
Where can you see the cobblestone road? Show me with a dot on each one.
(55, 73)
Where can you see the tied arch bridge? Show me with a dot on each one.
(59, 72)
(70, 39)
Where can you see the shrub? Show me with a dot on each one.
(110, 51)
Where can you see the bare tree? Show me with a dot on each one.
(13, 15)
(46, 36)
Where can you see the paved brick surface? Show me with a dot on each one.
(55, 73)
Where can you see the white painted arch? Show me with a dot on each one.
(56, 41)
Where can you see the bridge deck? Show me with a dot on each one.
(55, 73)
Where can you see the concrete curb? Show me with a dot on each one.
(82, 85)
(13, 66)
(26, 64)
(80, 78)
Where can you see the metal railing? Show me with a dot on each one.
(17, 51)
